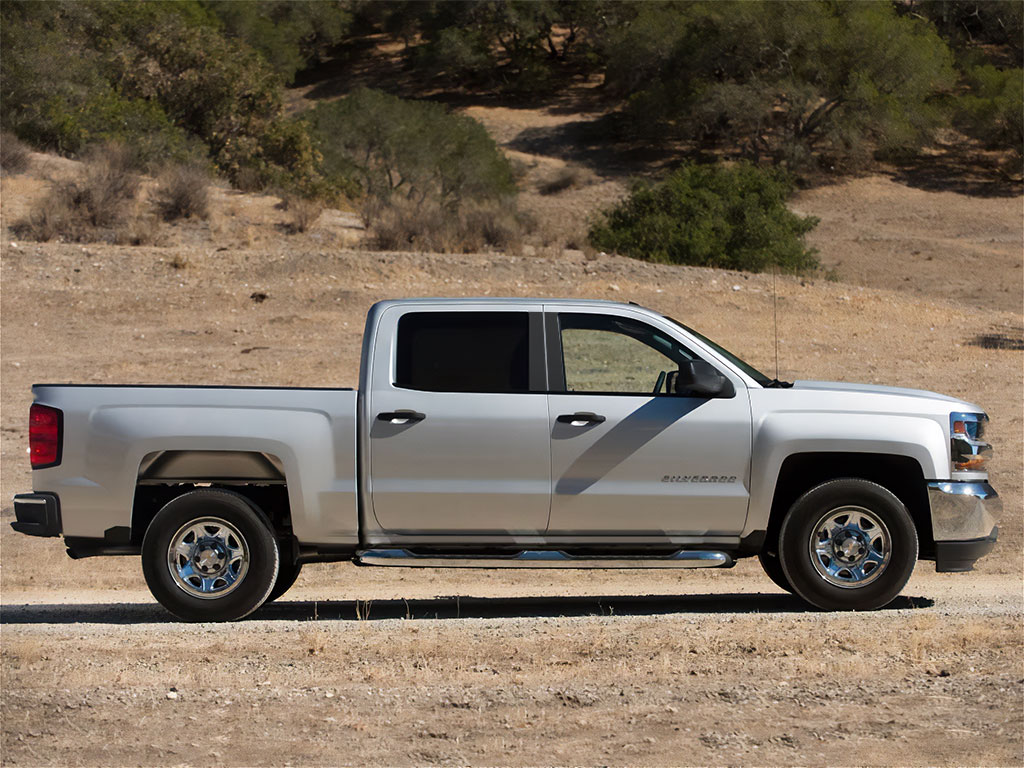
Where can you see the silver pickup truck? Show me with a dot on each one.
(514, 433)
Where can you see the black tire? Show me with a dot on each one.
(286, 575)
(773, 570)
(231, 530)
(848, 574)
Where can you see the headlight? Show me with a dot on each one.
(968, 450)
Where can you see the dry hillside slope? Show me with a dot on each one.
(365, 666)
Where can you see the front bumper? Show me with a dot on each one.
(963, 522)
(37, 514)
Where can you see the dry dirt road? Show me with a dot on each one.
(365, 667)
(645, 669)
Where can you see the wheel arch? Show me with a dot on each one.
(903, 476)
(257, 476)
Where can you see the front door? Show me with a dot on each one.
(627, 458)
(458, 442)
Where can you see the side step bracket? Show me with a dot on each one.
(542, 559)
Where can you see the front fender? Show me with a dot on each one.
(780, 435)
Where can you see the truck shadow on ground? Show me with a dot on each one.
(455, 607)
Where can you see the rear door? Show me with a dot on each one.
(458, 442)
(626, 459)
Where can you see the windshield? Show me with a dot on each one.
(748, 369)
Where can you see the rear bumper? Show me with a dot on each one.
(963, 522)
(37, 514)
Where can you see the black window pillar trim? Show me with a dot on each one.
(537, 375)
(553, 345)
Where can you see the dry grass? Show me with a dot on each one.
(14, 155)
(567, 177)
(303, 213)
(248, 179)
(99, 204)
(402, 226)
(182, 192)
(723, 688)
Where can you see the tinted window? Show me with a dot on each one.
(603, 353)
(464, 351)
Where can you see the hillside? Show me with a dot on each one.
(927, 282)
(352, 665)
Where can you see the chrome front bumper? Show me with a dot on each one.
(963, 522)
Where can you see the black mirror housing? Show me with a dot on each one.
(696, 378)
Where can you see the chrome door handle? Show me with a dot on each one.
(580, 419)
(401, 417)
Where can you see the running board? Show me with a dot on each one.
(542, 559)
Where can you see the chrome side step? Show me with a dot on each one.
(542, 559)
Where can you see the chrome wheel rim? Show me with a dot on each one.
(850, 547)
(208, 558)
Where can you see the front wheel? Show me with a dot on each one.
(773, 570)
(209, 555)
(848, 544)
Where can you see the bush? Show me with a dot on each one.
(993, 109)
(97, 205)
(303, 213)
(568, 177)
(13, 154)
(730, 217)
(108, 187)
(402, 226)
(182, 192)
(409, 149)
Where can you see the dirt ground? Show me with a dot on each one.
(399, 667)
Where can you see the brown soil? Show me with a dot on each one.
(520, 668)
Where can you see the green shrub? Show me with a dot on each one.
(414, 150)
(730, 217)
(993, 107)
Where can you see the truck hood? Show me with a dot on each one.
(877, 389)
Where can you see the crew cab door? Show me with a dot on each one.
(457, 420)
(626, 460)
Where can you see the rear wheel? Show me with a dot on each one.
(209, 555)
(286, 575)
(848, 544)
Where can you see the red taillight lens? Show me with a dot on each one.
(44, 435)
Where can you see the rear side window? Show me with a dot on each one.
(464, 351)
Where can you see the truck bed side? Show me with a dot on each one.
(110, 432)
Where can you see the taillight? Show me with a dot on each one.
(44, 436)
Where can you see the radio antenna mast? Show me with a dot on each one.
(775, 313)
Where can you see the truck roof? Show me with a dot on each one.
(505, 300)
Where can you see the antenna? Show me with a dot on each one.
(775, 312)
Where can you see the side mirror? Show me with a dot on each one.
(696, 378)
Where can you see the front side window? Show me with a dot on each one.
(616, 355)
(463, 351)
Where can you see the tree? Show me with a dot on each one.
(159, 76)
(789, 81)
(289, 34)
